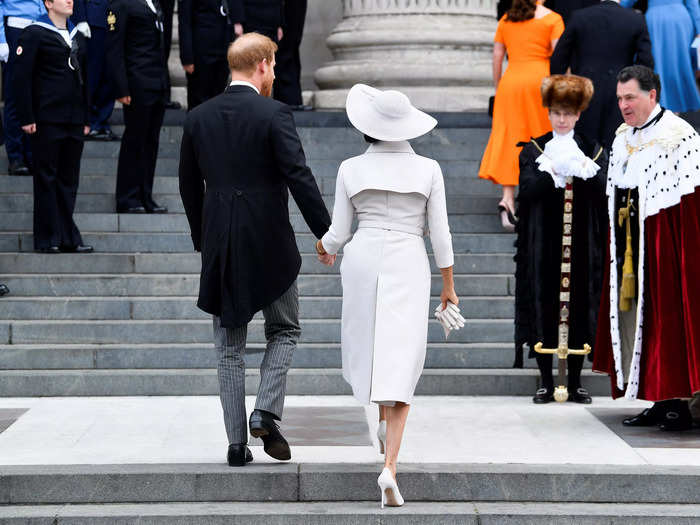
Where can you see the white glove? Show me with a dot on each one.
(450, 318)
(4, 52)
(84, 28)
(568, 166)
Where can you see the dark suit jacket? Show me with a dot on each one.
(204, 31)
(240, 155)
(135, 51)
(92, 11)
(597, 43)
(46, 87)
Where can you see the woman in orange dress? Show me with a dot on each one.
(528, 32)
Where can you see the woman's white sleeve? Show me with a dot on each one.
(340, 231)
(439, 228)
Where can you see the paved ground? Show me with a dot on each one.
(497, 430)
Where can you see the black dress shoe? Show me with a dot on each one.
(132, 209)
(93, 134)
(50, 249)
(81, 248)
(238, 455)
(18, 167)
(171, 104)
(677, 417)
(4, 290)
(543, 396)
(580, 395)
(156, 208)
(110, 136)
(263, 426)
(646, 418)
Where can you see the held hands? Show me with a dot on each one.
(323, 256)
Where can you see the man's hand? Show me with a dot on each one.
(189, 68)
(280, 34)
(29, 129)
(86, 130)
(4, 52)
(125, 100)
(327, 259)
(238, 29)
(84, 28)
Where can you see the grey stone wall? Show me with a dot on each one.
(321, 17)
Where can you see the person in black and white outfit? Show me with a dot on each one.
(136, 59)
(52, 108)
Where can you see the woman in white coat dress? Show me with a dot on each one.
(385, 270)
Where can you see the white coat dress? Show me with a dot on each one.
(385, 270)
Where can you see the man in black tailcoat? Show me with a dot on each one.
(206, 28)
(597, 43)
(287, 86)
(136, 60)
(239, 159)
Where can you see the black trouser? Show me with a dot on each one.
(138, 155)
(287, 87)
(574, 364)
(207, 81)
(57, 150)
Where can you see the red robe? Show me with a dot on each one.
(669, 364)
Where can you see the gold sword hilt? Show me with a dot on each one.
(561, 393)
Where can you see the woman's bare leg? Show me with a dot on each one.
(395, 423)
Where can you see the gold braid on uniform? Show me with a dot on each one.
(628, 287)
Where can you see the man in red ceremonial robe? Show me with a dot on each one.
(648, 337)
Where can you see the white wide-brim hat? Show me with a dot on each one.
(386, 115)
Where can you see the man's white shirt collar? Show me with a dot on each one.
(653, 113)
(244, 83)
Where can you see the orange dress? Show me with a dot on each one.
(518, 113)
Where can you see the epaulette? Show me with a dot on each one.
(623, 127)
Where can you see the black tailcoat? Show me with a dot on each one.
(597, 43)
(240, 155)
(539, 251)
(136, 51)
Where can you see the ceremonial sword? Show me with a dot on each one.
(563, 351)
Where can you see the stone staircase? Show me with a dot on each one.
(123, 321)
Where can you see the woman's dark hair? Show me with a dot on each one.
(521, 10)
(646, 77)
(371, 140)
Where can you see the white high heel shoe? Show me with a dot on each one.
(381, 436)
(391, 497)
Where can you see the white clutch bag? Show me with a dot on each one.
(450, 318)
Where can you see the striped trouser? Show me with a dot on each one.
(282, 331)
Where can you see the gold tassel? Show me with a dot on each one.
(628, 288)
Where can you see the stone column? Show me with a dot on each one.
(438, 52)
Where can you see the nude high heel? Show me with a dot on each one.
(391, 497)
(381, 436)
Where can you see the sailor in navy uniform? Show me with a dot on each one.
(52, 108)
(136, 60)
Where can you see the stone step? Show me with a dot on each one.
(121, 263)
(104, 203)
(200, 331)
(308, 482)
(355, 513)
(144, 308)
(465, 184)
(300, 381)
(203, 355)
(177, 223)
(165, 285)
(154, 242)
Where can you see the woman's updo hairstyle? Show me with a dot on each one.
(569, 92)
(521, 10)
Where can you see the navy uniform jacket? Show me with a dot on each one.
(135, 51)
(92, 11)
(48, 88)
(263, 14)
(204, 29)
